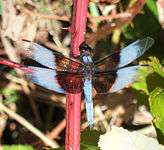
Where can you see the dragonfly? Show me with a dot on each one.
(74, 75)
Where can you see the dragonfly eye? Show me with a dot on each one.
(84, 48)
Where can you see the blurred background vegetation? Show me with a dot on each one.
(112, 25)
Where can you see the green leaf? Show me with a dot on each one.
(1, 6)
(156, 101)
(128, 31)
(11, 96)
(141, 84)
(154, 80)
(90, 137)
(137, 29)
(94, 12)
(160, 136)
(151, 4)
(88, 147)
(157, 67)
(148, 81)
(93, 9)
(142, 98)
(17, 147)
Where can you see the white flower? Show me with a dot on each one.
(121, 139)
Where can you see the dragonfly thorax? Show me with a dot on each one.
(88, 66)
(86, 59)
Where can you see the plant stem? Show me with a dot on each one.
(78, 25)
(73, 101)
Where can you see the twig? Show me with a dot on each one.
(54, 17)
(29, 126)
(66, 18)
(111, 17)
(103, 31)
(57, 130)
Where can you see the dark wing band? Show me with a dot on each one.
(71, 82)
(113, 81)
(125, 56)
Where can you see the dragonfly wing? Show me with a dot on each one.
(103, 82)
(60, 82)
(88, 100)
(70, 82)
(134, 50)
(45, 78)
(49, 58)
(114, 81)
(125, 56)
(38, 53)
(125, 77)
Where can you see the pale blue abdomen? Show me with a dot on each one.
(88, 100)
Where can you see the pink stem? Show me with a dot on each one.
(78, 26)
(15, 65)
(73, 101)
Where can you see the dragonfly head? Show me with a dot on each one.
(84, 48)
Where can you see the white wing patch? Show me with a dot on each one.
(125, 77)
(46, 78)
